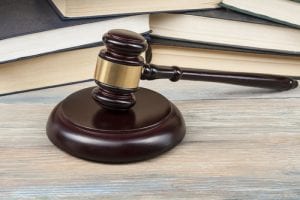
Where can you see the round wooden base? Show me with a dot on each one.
(80, 126)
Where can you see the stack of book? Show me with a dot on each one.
(56, 42)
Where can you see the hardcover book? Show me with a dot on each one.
(31, 27)
(96, 8)
(282, 11)
(200, 56)
(48, 70)
(223, 27)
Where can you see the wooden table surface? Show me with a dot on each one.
(241, 143)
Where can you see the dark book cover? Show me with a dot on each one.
(258, 15)
(21, 17)
(227, 14)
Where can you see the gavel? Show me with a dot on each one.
(119, 122)
(120, 68)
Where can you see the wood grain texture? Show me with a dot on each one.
(241, 143)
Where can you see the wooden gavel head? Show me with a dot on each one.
(119, 68)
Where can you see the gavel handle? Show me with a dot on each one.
(174, 73)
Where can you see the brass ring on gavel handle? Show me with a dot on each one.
(117, 75)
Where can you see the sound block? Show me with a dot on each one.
(80, 126)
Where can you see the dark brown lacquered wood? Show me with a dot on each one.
(80, 126)
(114, 98)
(123, 47)
(175, 73)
